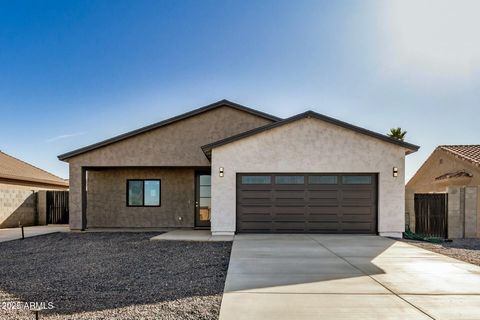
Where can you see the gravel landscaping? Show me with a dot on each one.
(112, 276)
(467, 250)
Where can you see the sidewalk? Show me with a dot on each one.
(16, 233)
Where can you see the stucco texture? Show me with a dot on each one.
(463, 193)
(441, 162)
(107, 199)
(310, 145)
(175, 145)
(19, 203)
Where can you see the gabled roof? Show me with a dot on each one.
(470, 153)
(207, 149)
(14, 169)
(189, 114)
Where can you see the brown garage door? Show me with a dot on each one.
(306, 203)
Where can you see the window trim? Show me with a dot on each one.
(256, 175)
(370, 177)
(277, 176)
(143, 193)
(337, 180)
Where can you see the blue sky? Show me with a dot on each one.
(76, 72)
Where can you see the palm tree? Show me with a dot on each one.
(397, 133)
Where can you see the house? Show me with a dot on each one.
(230, 168)
(451, 171)
(20, 185)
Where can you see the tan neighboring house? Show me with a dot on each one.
(233, 169)
(453, 170)
(20, 184)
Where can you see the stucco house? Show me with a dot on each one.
(230, 168)
(21, 192)
(452, 171)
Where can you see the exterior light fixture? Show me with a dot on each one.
(395, 172)
(220, 172)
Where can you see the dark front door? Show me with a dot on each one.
(203, 197)
(306, 203)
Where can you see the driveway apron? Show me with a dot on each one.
(294, 276)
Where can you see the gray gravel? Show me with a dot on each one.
(113, 276)
(467, 250)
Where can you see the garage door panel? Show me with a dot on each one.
(357, 218)
(290, 217)
(255, 194)
(323, 203)
(323, 217)
(288, 209)
(357, 195)
(289, 226)
(307, 205)
(324, 211)
(255, 209)
(322, 194)
(357, 210)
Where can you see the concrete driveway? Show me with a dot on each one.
(345, 277)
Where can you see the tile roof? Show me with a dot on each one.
(466, 152)
(15, 169)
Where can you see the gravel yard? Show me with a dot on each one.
(113, 276)
(467, 250)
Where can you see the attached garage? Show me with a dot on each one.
(308, 174)
(306, 203)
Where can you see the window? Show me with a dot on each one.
(256, 179)
(356, 179)
(289, 179)
(322, 179)
(143, 193)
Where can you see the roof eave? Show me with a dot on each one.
(34, 180)
(409, 147)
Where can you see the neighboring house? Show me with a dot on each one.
(20, 183)
(234, 169)
(452, 170)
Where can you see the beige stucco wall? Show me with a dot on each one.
(17, 206)
(310, 145)
(174, 145)
(463, 212)
(107, 203)
(21, 202)
(437, 164)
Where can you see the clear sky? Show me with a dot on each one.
(76, 72)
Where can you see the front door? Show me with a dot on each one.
(203, 198)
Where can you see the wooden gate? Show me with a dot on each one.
(57, 207)
(431, 211)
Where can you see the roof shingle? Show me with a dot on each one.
(466, 152)
(15, 169)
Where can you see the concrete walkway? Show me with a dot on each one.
(191, 235)
(345, 277)
(9, 234)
